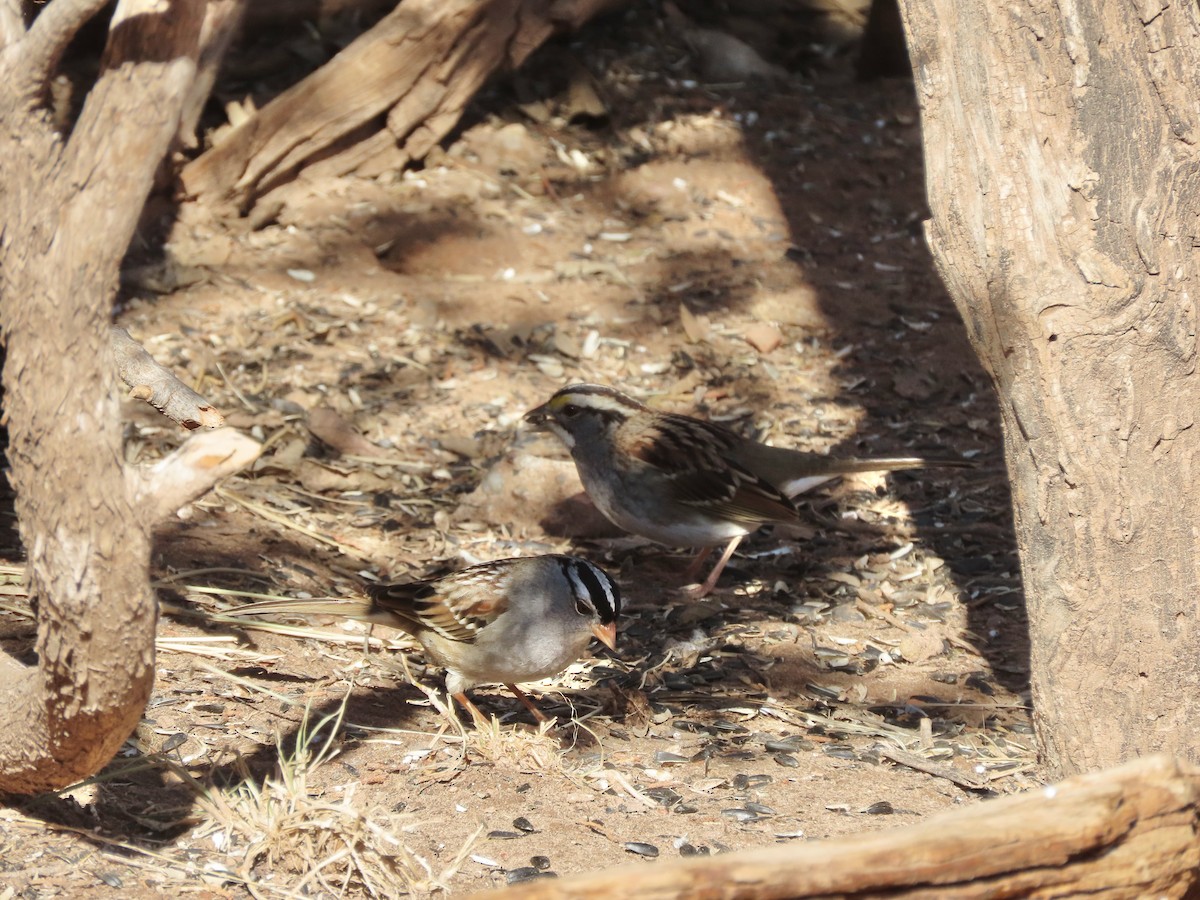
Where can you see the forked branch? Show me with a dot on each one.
(53, 29)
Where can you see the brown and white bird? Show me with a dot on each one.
(501, 622)
(682, 481)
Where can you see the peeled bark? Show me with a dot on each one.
(1062, 146)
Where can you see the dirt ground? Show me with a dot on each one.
(751, 253)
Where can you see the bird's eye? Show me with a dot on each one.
(583, 607)
(570, 411)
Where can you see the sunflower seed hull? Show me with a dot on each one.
(647, 850)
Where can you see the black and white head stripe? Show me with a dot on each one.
(600, 391)
(596, 398)
(595, 593)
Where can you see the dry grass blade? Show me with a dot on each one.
(17, 609)
(400, 642)
(213, 646)
(126, 853)
(231, 592)
(536, 751)
(284, 522)
(209, 570)
(287, 841)
(182, 645)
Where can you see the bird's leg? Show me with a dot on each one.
(476, 715)
(529, 704)
(711, 581)
(696, 565)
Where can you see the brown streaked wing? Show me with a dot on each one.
(681, 442)
(735, 494)
(482, 609)
(454, 606)
(397, 600)
(697, 456)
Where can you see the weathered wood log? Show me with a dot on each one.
(1129, 832)
(413, 74)
(162, 488)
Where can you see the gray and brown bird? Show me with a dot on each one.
(682, 481)
(501, 622)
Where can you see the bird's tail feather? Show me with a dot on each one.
(818, 470)
(360, 610)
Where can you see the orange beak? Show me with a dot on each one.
(606, 634)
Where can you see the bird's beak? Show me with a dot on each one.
(606, 634)
(537, 417)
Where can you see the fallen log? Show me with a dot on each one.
(1128, 832)
(386, 99)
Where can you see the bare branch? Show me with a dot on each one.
(222, 21)
(49, 36)
(159, 386)
(161, 489)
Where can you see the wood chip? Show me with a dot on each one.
(763, 337)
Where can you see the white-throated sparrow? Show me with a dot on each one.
(682, 481)
(498, 622)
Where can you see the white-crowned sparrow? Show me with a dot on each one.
(498, 622)
(682, 481)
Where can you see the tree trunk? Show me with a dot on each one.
(1061, 156)
(69, 210)
(1119, 835)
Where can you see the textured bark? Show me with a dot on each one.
(1121, 834)
(386, 99)
(69, 210)
(1061, 145)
